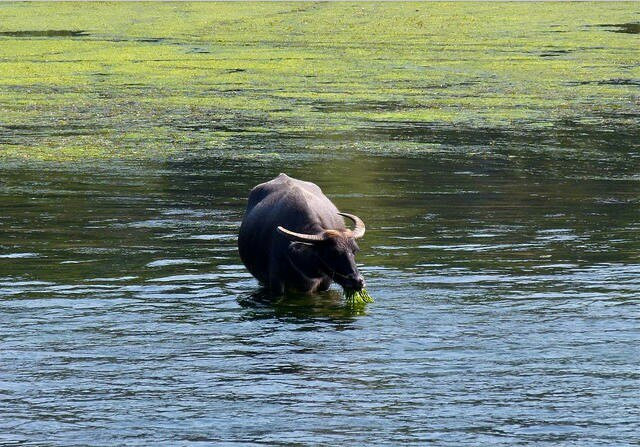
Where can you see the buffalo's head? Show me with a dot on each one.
(335, 250)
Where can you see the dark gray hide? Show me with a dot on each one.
(282, 262)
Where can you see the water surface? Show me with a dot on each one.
(506, 307)
(491, 149)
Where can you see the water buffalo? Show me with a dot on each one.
(293, 237)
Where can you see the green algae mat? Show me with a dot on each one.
(161, 80)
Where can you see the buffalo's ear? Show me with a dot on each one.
(299, 248)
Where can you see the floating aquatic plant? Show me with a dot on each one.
(357, 296)
(164, 80)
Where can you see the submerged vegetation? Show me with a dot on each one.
(120, 80)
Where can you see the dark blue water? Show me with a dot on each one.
(506, 307)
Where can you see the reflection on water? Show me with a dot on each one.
(506, 286)
(329, 305)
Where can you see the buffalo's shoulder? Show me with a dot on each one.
(259, 192)
(307, 186)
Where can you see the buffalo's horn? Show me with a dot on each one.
(301, 237)
(358, 230)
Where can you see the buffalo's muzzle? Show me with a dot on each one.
(355, 282)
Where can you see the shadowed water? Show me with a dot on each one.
(506, 311)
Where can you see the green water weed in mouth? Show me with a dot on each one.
(357, 297)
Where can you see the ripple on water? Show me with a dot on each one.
(19, 255)
(166, 262)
